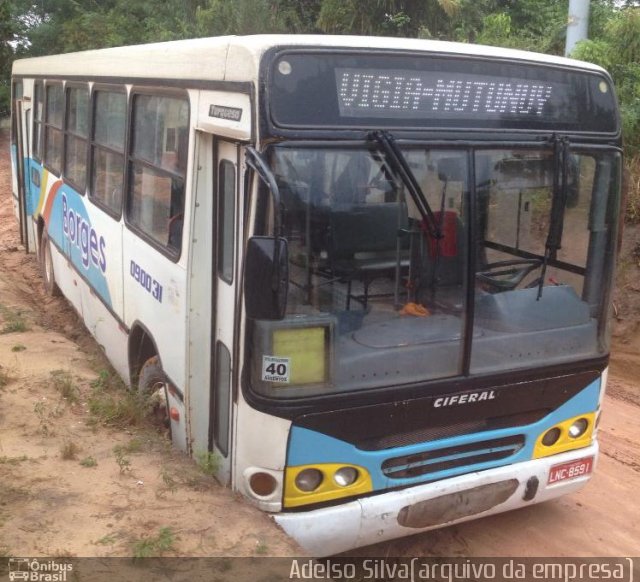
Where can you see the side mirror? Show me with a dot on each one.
(266, 277)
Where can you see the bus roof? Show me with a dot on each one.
(237, 58)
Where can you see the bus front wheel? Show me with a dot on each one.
(46, 267)
(154, 384)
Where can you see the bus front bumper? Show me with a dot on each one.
(386, 516)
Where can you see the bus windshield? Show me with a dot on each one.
(378, 297)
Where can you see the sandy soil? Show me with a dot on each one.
(51, 506)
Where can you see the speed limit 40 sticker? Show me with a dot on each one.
(276, 369)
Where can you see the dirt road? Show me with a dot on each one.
(70, 486)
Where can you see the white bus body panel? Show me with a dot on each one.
(261, 446)
(212, 118)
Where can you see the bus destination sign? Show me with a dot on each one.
(352, 90)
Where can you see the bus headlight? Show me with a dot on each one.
(578, 428)
(568, 435)
(345, 476)
(309, 480)
(551, 437)
(307, 484)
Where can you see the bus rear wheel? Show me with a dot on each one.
(46, 267)
(153, 383)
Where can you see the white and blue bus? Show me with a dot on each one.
(372, 276)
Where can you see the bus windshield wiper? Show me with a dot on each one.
(400, 168)
(558, 204)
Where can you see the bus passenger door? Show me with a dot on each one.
(21, 128)
(227, 187)
(212, 302)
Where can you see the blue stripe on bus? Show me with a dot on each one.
(307, 447)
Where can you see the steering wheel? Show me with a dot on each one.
(507, 275)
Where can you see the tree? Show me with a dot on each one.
(7, 38)
(618, 51)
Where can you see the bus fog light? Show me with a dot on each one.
(309, 480)
(578, 428)
(262, 484)
(551, 437)
(345, 476)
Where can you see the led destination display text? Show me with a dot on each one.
(377, 93)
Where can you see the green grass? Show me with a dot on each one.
(107, 540)
(111, 404)
(13, 460)
(63, 383)
(14, 321)
(135, 445)
(121, 459)
(208, 462)
(89, 462)
(18, 348)
(154, 545)
(168, 480)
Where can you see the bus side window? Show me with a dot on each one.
(37, 120)
(226, 219)
(107, 150)
(76, 133)
(53, 127)
(158, 161)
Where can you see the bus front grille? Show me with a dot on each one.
(448, 458)
(452, 429)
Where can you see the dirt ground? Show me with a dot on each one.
(124, 491)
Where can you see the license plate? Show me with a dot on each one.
(571, 470)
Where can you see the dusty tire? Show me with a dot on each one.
(153, 383)
(46, 267)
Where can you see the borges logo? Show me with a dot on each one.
(466, 398)
(81, 234)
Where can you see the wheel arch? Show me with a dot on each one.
(141, 347)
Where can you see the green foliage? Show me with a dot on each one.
(7, 27)
(593, 51)
(122, 460)
(111, 404)
(13, 460)
(208, 462)
(632, 183)
(63, 383)
(618, 51)
(14, 321)
(88, 462)
(154, 545)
